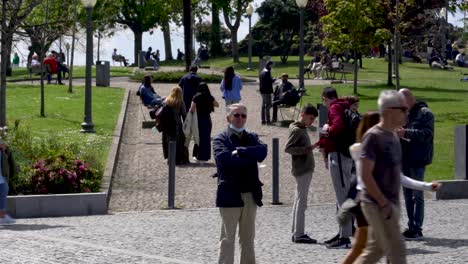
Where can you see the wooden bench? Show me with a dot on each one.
(342, 69)
(36, 70)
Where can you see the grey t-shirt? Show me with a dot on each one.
(383, 147)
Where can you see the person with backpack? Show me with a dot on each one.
(231, 85)
(189, 84)
(303, 165)
(286, 94)
(337, 158)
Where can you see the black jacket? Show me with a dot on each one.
(266, 82)
(238, 173)
(419, 150)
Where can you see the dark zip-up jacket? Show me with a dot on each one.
(418, 152)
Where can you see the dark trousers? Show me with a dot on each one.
(275, 104)
(414, 199)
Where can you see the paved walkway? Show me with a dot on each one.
(137, 232)
(191, 236)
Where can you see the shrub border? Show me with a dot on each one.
(75, 204)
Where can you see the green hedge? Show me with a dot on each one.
(175, 76)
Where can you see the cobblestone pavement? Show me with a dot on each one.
(191, 236)
(140, 182)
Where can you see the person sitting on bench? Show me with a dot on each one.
(52, 65)
(148, 95)
(285, 94)
(119, 58)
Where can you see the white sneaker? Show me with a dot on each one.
(7, 220)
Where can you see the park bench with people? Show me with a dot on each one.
(120, 59)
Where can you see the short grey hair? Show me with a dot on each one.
(388, 98)
(233, 107)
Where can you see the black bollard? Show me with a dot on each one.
(171, 190)
(275, 184)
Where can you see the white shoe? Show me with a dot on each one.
(7, 220)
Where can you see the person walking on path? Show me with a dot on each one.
(303, 164)
(417, 141)
(369, 119)
(380, 162)
(189, 84)
(266, 90)
(237, 153)
(339, 165)
(174, 113)
(231, 85)
(203, 104)
(8, 169)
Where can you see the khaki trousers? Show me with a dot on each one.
(384, 236)
(300, 203)
(231, 217)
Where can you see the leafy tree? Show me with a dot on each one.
(204, 33)
(187, 20)
(13, 12)
(353, 25)
(139, 16)
(232, 13)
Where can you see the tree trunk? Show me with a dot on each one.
(187, 20)
(98, 45)
(355, 73)
(216, 49)
(389, 71)
(70, 70)
(167, 40)
(138, 43)
(3, 68)
(234, 45)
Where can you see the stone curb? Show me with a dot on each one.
(75, 204)
(452, 189)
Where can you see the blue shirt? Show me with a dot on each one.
(234, 93)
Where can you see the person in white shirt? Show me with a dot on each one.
(460, 59)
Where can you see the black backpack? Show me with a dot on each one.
(160, 115)
(351, 120)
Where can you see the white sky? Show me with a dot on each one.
(123, 40)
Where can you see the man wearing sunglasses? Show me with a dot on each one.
(418, 149)
(237, 153)
(380, 171)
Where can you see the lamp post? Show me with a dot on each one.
(87, 126)
(443, 29)
(301, 4)
(249, 10)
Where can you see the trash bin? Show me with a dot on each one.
(102, 73)
(142, 59)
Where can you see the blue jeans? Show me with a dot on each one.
(414, 200)
(3, 195)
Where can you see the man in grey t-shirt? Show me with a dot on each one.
(380, 172)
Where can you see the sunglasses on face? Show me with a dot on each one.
(402, 108)
(239, 115)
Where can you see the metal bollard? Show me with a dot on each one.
(171, 181)
(275, 183)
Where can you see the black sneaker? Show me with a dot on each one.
(342, 242)
(412, 235)
(263, 122)
(420, 234)
(304, 239)
(333, 239)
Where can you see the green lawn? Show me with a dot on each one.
(64, 113)
(441, 90)
(78, 72)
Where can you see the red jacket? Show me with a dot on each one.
(335, 122)
(52, 63)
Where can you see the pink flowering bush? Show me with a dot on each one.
(63, 175)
